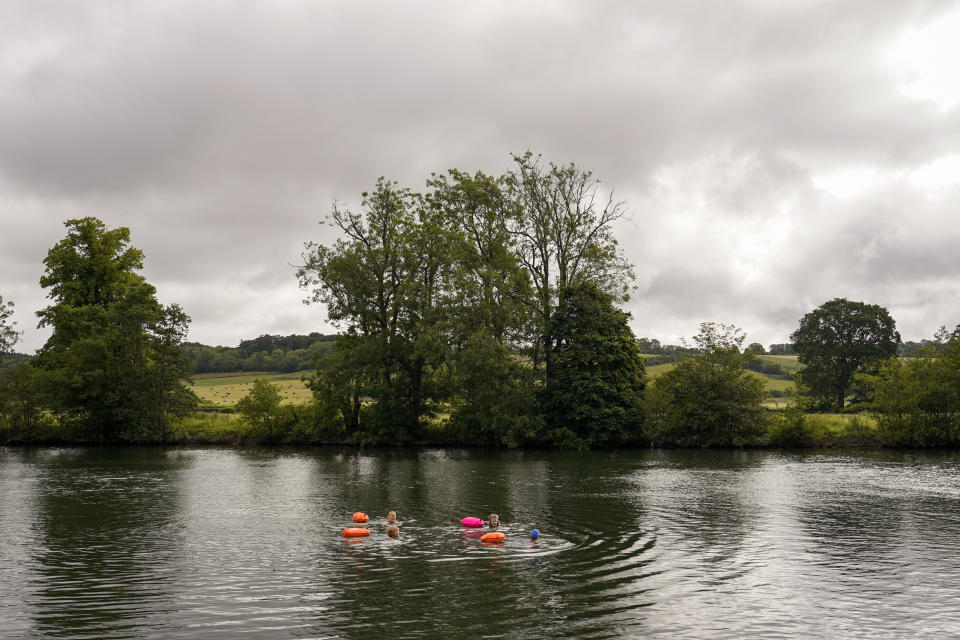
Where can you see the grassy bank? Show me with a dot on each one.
(787, 429)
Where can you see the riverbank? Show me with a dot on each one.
(786, 429)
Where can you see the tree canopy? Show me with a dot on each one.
(594, 394)
(837, 340)
(113, 363)
(445, 295)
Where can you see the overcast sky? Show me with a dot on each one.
(773, 155)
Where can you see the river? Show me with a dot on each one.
(223, 543)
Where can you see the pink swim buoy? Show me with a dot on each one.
(471, 521)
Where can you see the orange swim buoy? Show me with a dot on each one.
(355, 532)
(493, 536)
(360, 516)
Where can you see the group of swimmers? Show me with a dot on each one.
(392, 527)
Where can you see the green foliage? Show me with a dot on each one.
(791, 427)
(286, 354)
(442, 295)
(563, 232)
(387, 282)
(755, 348)
(594, 393)
(490, 290)
(8, 333)
(489, 313)
(917, 400)
(710, 400)
(342, 378)
(261, 406)
(839, 339)
(22, 415)
(496, 395)
(781, 350)
(113, 364)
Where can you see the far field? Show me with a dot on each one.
(225, 389)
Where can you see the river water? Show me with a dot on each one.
(223, 543)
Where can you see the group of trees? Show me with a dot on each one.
(267, 353)
(917, 400)
(850, 352)
(491, 298)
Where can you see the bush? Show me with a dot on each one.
(711, 400)
(791, 428)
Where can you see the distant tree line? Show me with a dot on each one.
(286, 354)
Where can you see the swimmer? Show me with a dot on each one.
(493, 522)
(391, 519)
(393, 532)
(534, 536)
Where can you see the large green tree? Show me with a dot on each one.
(839, 339)
(562, 226)
(113, 363)
(594, 395)
(8, 333)
(488, 312)
(387, 281)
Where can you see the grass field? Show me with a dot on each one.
(225, 389)
(787, 363)
(790, 364)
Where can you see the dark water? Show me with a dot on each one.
(164, 543)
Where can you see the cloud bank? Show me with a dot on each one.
(774, 155)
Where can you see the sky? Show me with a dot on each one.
(773, 155)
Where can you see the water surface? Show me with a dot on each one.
(221, 543)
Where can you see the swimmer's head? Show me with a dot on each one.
(391, 516)
(494, 520)
(393, 532)
(535, 534)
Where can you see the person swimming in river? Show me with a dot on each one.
(391, 520)
(393, 531)
(493, 522)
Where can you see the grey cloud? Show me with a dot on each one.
(220, 133)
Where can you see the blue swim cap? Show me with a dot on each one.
(534, 534)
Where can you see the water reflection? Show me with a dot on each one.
(105, 523)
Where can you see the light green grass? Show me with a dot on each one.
(656, 370)
(209, 428)
(225, 390)
(790, 364)
(773, 384)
